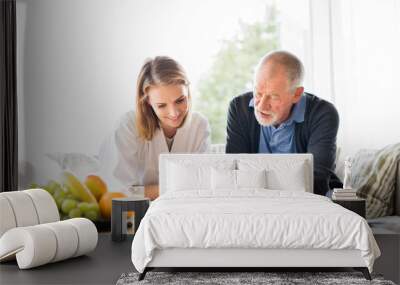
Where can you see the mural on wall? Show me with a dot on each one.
(80, 189)
(82, 183)
(79, 78)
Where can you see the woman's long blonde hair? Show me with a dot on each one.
(161, 70)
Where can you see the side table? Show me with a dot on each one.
(388, 264)
(357, 205)
(120, 207)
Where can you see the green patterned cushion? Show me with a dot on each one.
(374, 177)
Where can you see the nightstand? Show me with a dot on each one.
(120, 207)
(357, 205)
(388, 239)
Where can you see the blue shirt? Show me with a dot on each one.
(281, 139)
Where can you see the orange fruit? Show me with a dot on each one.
(105, 203)
(96, 185)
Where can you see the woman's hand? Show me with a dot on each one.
(151, 192)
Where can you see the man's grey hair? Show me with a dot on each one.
(292, 64)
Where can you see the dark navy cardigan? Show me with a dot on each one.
(315, 135)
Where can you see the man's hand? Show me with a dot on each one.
(151, 192)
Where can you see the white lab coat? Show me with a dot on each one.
(137, 159)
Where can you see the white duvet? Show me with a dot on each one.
(250, 219)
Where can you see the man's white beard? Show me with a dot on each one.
(263, 122)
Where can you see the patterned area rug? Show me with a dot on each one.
(225, 278)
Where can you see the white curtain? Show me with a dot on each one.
(365, 50)
(351, 53)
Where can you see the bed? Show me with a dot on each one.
(242, 210)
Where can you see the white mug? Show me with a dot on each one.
(136, 190)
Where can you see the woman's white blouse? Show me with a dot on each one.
(137, 159)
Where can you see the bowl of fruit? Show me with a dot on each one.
(89, 198)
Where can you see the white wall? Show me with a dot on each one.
(75, 77)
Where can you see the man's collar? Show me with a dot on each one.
(297, 113)
(298, 110)
(251, 103)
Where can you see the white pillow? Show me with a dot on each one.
(292, 179)
(251, 178)
(226, 179)
(223, 179)
(282, 174)
(189, 174)
(183, 178)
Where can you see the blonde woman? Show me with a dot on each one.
(161, 123)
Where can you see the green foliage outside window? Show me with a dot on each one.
(232, 71)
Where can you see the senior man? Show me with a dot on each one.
(279, 117)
